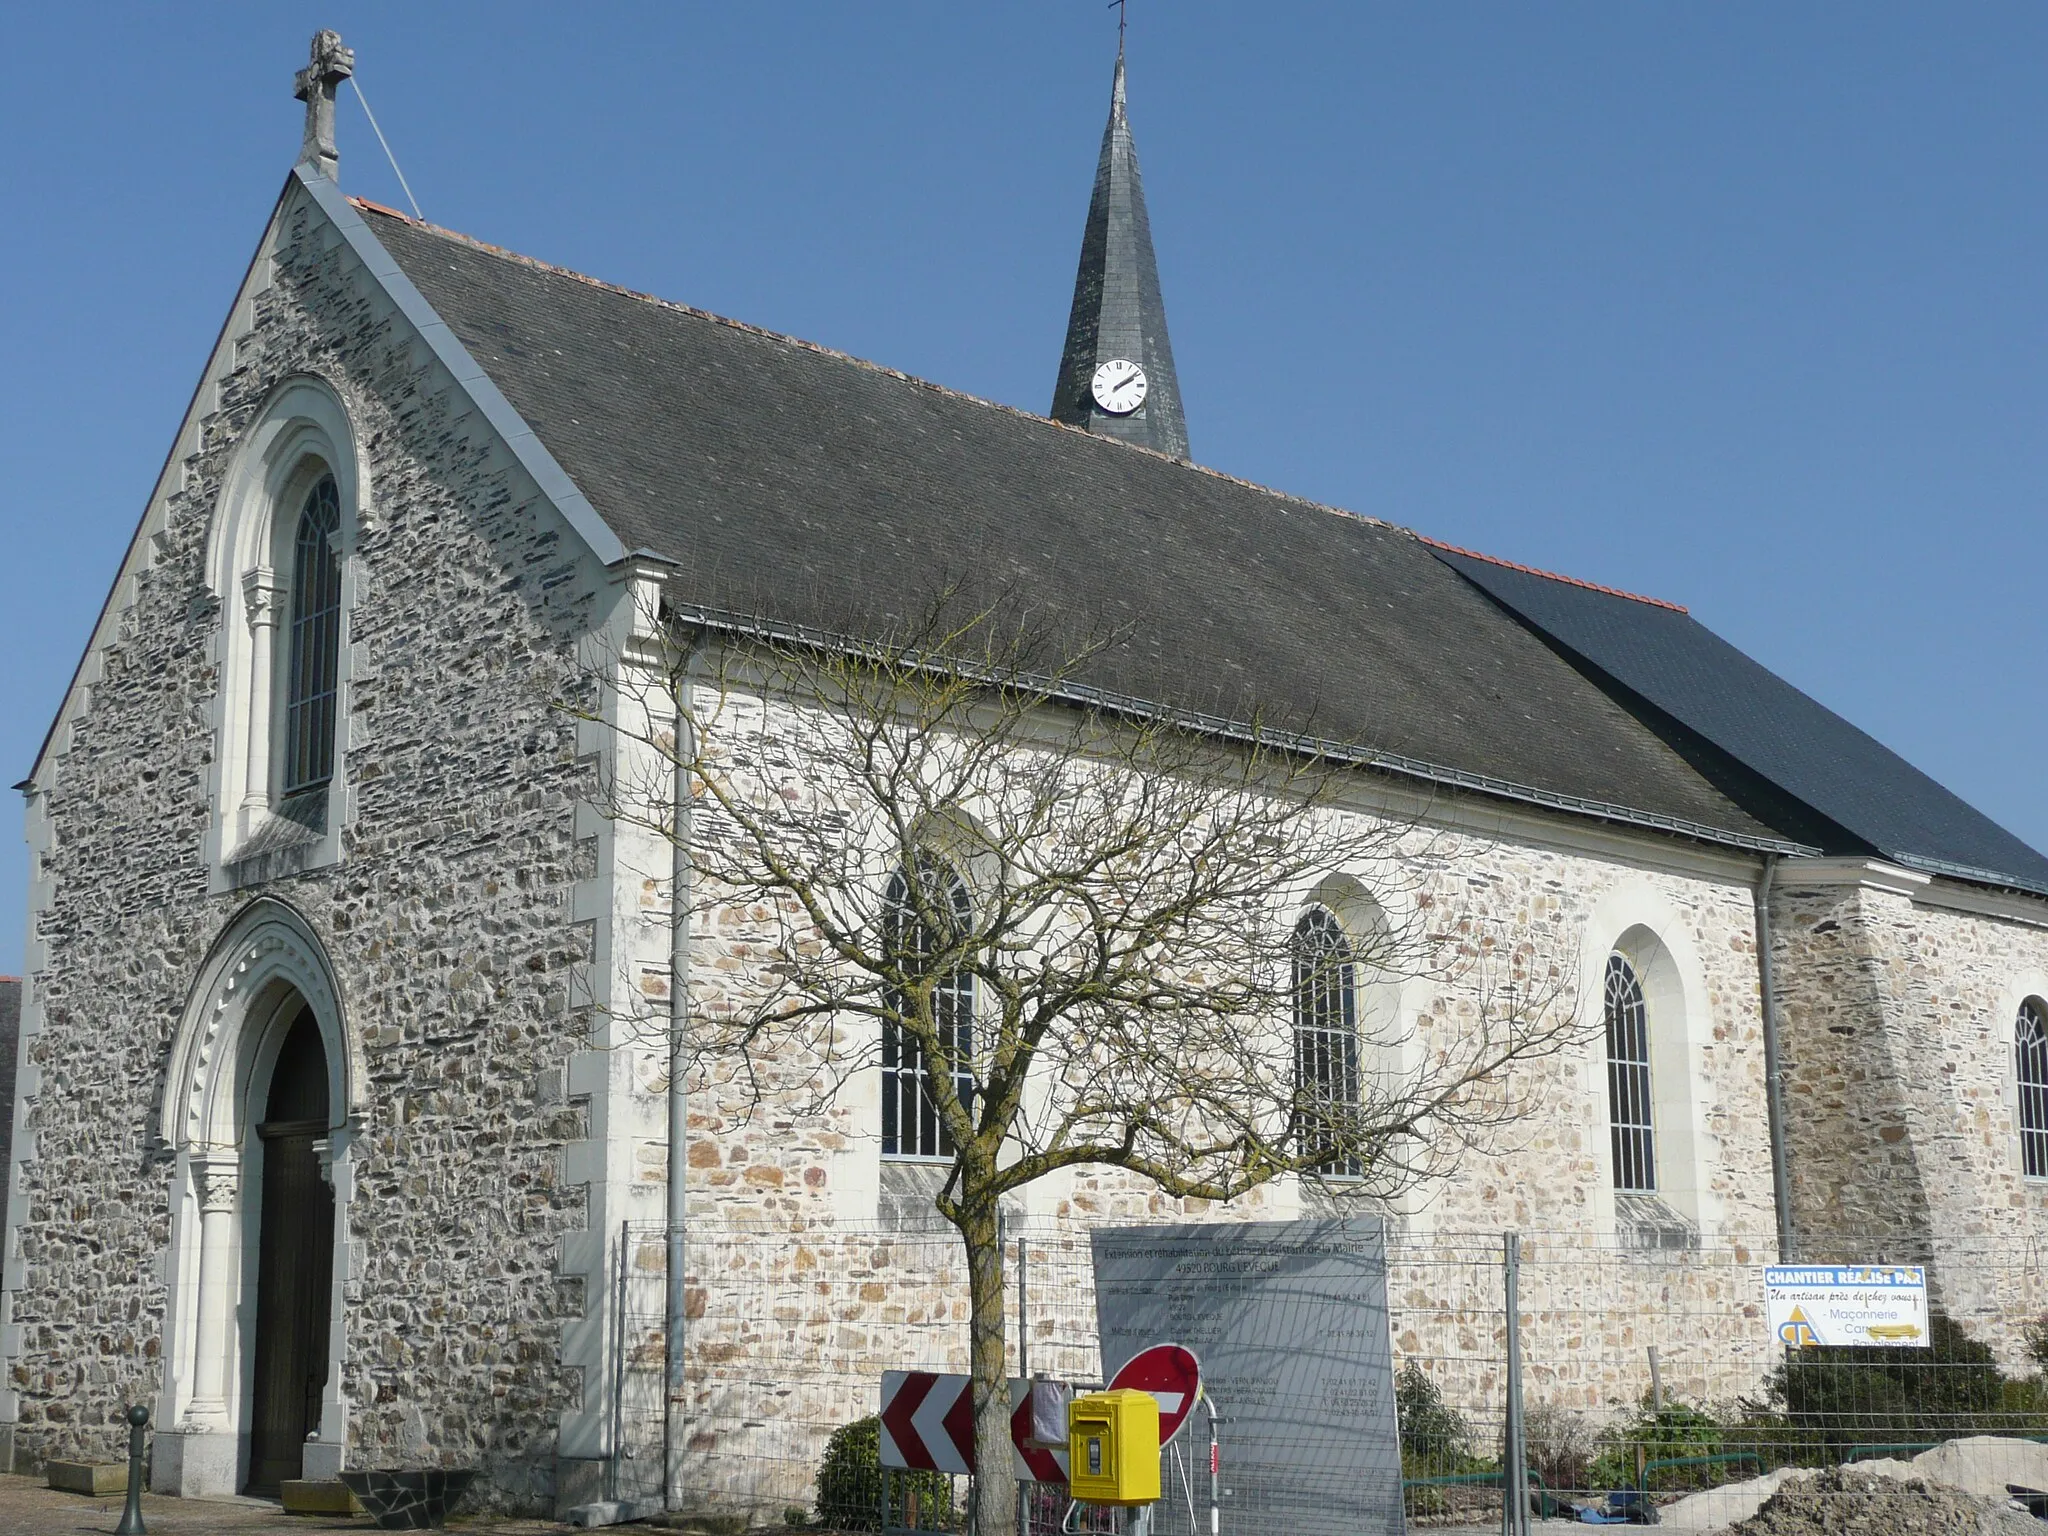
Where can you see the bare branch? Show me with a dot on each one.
(1067, 933)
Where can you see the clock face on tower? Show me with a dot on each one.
(1118, 386)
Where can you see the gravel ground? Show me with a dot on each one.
(27, 1508)
(1845, 1502)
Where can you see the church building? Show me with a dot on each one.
(323, 1139)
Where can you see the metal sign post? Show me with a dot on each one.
(1215, 1468)
(1515, 1485)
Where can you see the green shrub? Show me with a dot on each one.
(2025, 1404)
(2035, 1336)
(1819, 1402)
(1435, 1442)
(1677, 1430)
(1830, 1398)
(850, 1484)
(1432, 1432)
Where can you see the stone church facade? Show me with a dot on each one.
(326, 1119)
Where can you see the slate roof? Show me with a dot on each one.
(1118, 311)
(795, 484)
(1858, 795)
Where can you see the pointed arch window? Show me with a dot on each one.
(314, 642)
(1326, 1075)
(277, 554)
(1628, 1078)
(2030, 1046)
(911, 1127)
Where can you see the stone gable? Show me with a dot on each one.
(448, 921)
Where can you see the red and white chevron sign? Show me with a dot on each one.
(928, 1426)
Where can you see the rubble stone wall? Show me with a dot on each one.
(448, 921)
(1900, 1071)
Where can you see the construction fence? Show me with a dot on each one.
(1639, 1372)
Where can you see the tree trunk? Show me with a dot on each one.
(994, 1508)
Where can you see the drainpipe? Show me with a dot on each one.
(681, 887)
(1774, 1078)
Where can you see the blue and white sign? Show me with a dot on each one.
(1883, 1304)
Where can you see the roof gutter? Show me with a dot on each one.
(1316, 747)
(1975, 874)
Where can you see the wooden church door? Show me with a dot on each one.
(294, 1265)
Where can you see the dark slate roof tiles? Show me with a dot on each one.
(792, 483)
(1783, 738)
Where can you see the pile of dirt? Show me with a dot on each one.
(1717, 1508)
(1847, 1501)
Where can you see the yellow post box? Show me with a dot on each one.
(1113, 1447)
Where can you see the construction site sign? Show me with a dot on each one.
(1289, 1320)
(1835, 1304)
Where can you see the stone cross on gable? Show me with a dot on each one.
(315, 85)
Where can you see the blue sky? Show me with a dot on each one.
(1739, 305)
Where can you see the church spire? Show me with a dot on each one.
(1116, 373)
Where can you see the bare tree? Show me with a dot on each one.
(1064, 929)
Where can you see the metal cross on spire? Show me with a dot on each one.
(1121, 20)
(315, 85)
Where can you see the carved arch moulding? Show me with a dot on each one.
(305, 416)
(269, 946)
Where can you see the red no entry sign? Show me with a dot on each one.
(1171, 1373)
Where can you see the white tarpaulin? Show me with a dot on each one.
(1884, 1304)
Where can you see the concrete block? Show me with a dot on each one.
(612, 1512)
(100, 1479)
(195, 1464)
(302, 1496)
(579, 1481)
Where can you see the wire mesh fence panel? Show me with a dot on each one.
(789, 1335)
(639, 1362)
(1650, 1368)
(1444, 1306)
(1653, 1371)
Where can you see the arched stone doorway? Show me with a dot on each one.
(261, 1107)
(295, 1260)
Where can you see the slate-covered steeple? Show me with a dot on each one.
(1119, 319)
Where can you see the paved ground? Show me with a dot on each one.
(27, 1508)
